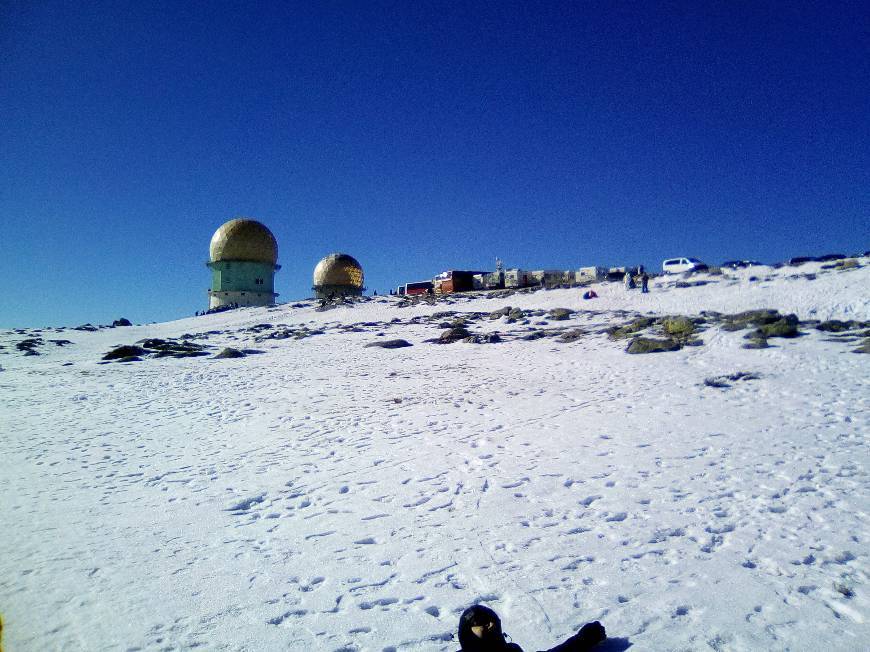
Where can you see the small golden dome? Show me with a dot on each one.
(338, 269)
(245, 240)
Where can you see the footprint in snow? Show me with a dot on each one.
(278, 620)
(246, 503)
(725, 529)
(383, 602)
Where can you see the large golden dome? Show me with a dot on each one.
(338, 269)
(243, 239)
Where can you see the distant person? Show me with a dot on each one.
(480, 631)
(629, 282)
(590, 294)
(644, 283)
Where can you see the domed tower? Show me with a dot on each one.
(243, 258)
(338, 275)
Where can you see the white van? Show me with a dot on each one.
(679, 265)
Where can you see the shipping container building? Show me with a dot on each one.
(516, 278)
(590, 274)
(418, 287)
(455, 280)
(489, 281)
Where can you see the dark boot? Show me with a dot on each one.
(590, 635)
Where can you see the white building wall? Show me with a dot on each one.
(513, 278)
(242, 299)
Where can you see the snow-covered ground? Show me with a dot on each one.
(322, 495)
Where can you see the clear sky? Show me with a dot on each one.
(417, 137)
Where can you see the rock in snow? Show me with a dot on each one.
(389, 344)
(230, 352)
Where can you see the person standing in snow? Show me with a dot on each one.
(480, 631)
(627, 279)
(644, 283)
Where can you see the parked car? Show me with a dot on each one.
(738, 264)
(679, 265)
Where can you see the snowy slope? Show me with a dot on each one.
(325, 496)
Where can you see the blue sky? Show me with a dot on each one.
(417, 137)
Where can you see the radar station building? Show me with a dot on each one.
(338, 275)
(243, 257)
